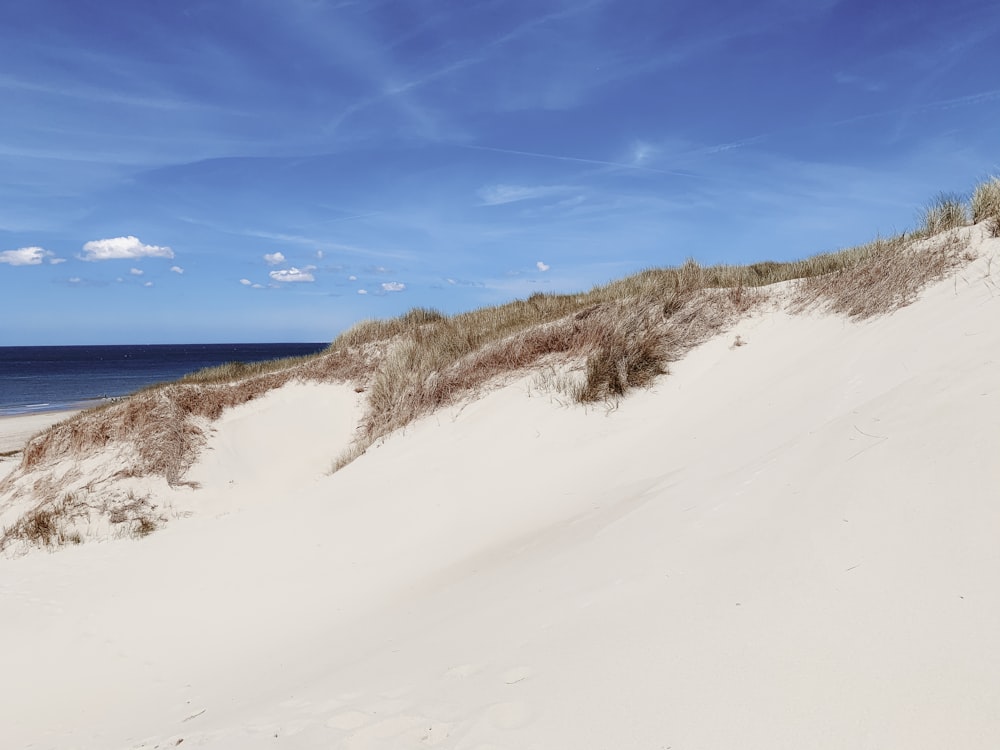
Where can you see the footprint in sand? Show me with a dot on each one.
(398, 731)
(463, 670)
(517, 674)
(509, 715)
(348, 720)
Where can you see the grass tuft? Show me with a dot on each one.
(985, 204)
(946, 211)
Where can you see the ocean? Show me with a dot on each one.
(50, 378)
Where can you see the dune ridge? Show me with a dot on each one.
(790, 541)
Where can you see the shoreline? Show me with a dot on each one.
(17, 429)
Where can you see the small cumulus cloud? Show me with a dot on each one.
(497, 195)
(273, 259)
(246, 282)
(362, 291)
(117, 248)
(293, 274)
(148, 283)
(135, 271)
(393, 286)
(176, 269)
(543, 267)
(56, 261)
(27, 256)
(352, 278)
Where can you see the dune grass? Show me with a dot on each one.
(946, 211)
(617, 336)
(985, 204)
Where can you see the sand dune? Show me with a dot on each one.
(789, 543)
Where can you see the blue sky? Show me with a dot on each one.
(275, 170)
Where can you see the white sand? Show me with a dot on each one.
(17, 430)
(789, 544)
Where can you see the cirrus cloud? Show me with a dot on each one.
(293, 274)
(498, 195)
(116, 248)
(27, 256)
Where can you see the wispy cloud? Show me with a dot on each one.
(117, 248)
(91, 94)
(576, 159)
(136, 271)
(497, 195)
(176, 269)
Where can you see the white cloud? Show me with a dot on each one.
(319, 254)
(274, 259)
(293, 274)
(362, 291)
(26, 256)
(148, 283)
(542, 266)
(393, 286)
(135, 271)
(75, 280)
(497, 195)
(56, 261)
(641, 153)
(116, 248)
(246, 282)
(176, 269)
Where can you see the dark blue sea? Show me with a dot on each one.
(49, 378)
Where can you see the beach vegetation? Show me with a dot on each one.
(946, 211)
(598, 345)
(985, 204)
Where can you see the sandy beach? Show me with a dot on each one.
(15, 431)
(785, 543)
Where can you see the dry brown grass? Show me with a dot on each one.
(57, 522)
(985, 204)
(946, 211)
(888, 274)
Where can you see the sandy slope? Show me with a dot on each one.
(787, 544)
(17, 430)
